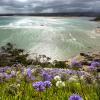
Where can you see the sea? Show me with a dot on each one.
(56, 37)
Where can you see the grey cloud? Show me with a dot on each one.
(14, 6)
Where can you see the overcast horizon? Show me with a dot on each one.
(48, 6)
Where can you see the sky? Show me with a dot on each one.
(48, 6)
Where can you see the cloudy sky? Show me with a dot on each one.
(42, 6)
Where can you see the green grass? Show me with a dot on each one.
(26, 91)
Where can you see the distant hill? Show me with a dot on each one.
(88, 14)
(97, 19)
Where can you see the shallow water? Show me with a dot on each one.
(59, 38)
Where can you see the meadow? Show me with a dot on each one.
(20, 83)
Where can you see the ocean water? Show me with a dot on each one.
(58, 38)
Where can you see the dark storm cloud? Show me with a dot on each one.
(16, 6)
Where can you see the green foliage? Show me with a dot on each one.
(10, 55)
(59, 64)
(97, 18)
(11, 91)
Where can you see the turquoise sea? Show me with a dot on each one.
(57, 37)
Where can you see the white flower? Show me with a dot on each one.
(60, 84)
(18, 85)
(18, 73)
(73, 79)
(1, 75)
(82, 77)
(57, 78)
(13, 72)
(25, 72)
(33, 70)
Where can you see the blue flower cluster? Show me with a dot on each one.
(75, 97)
(41, 86)
(75, 63)
(94, 65)
(46, 77)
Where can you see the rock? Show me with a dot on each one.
(85, 62)
(79, 58)
(82, 54)
(98, 69)
(98, 60)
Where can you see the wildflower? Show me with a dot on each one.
(17, 73)
(82, 77)
(94, 65)
(46, 77)
(57, 78)
(73, 79)
(29, 72)
(13, 73)
(75, 97)
(92, 68)
(60, 84)
(76, 64)
(33, 70)
(39, 86)
(1, 75)
(7, 76)
(47, 84)
(18, 85)
(32, 78)
(24, 72)
(69, 72)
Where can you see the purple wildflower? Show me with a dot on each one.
(7, 76)
(39, 86)
(5, 69)
(13, 73)
(47, 84)
(95, 64)
(46, 76)
(69, 72)
(76, 63)
(32, 78)
(92, 68)
(29, 72)
(75, 97)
